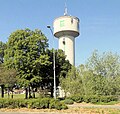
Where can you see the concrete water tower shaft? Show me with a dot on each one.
(66, 28)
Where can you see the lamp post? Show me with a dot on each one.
(49, 27)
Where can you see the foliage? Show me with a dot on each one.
(108, 103)
(56, 104)
(7, 78)
(106, 64)
(100, 76)
(93, 98)
(25, 50)
(61, 68)
(32, 103)
(105, 73)
(77, 98)
(107, 99)
(72, 83)
(26, 53)
(68, 101)
(2, 49)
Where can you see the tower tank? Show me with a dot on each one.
(66, 28)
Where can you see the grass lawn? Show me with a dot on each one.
(19, 95)
(109, 103)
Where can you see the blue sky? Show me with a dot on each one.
(99, 22)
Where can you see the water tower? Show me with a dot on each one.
(66, 28)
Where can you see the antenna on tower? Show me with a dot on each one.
(65, 11)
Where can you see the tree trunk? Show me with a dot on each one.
(12, 94)
(33, 93)
(26, 93)
(2, 91)
(8, 93)
(30, 96)
(52, 91)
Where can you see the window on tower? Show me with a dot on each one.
(64, 41)
(62, 24)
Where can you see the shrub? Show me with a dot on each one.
(64, 106)
(87, 99)
(36, 105)
(94, 99)
(77, 98)
(39, 103)
(68, 101)
(56, 104)
(52, 103)
(44, 103)
(107, 99)
(32, 103)
(11, 103)
(2, 103)
(6, 103)
(22, 103)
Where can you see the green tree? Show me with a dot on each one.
(93, 84)
(106, 64)
(7, 79)
(106, 70)
(2, 49)
(2, 70)
(72, 83)
(99, 76)
(26, 53)
(61, 67)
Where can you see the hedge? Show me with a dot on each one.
(93, 98)
(42, 103)
(68, 101)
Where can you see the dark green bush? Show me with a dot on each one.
(11, 103)
(68, 101)
(94, 99)
(64, 106)
(53, 103)
(45, 102)
(104, 99)
(2, 103)
(107, 99)
(87, 98)
(77, 98)
(56, 104)
(32, 103)
(38, 103)
(6, 103)
(22, 103)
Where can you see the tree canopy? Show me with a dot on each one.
(27, 52)
(99, 76)
(106, 64)
(2, 49)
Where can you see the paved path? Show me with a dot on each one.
(95, 106)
